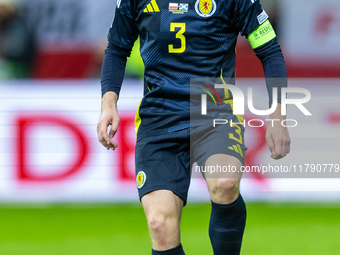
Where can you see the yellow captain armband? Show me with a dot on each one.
(261, 35)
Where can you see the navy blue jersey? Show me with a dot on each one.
(180, 41)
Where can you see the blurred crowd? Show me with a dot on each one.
(17, 47)
(20, 56)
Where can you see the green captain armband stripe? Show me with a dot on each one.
(261, 35)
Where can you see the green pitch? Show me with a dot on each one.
(273, 229)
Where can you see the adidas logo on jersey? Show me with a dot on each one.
(152, 7)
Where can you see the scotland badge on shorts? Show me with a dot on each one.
(205, 8)
(140, 179)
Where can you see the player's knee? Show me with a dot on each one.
(157, 223)
(160, 221)
(163, 211)
(225, 187)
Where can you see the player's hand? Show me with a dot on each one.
(109, 117)
(277, 136)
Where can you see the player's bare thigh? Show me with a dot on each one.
(224, 186)
(163, 210)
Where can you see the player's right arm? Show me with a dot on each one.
(122, 35)
(108, 117)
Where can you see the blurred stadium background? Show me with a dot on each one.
(62, 193)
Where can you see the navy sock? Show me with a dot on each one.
(174, 251)
(227, 223)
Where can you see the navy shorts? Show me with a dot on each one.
(164, 161)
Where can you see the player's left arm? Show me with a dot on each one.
(265, 45)
(277, 136)
(252, 21)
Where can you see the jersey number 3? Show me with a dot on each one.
(179, 35)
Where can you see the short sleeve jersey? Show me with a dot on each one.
(182, 40)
